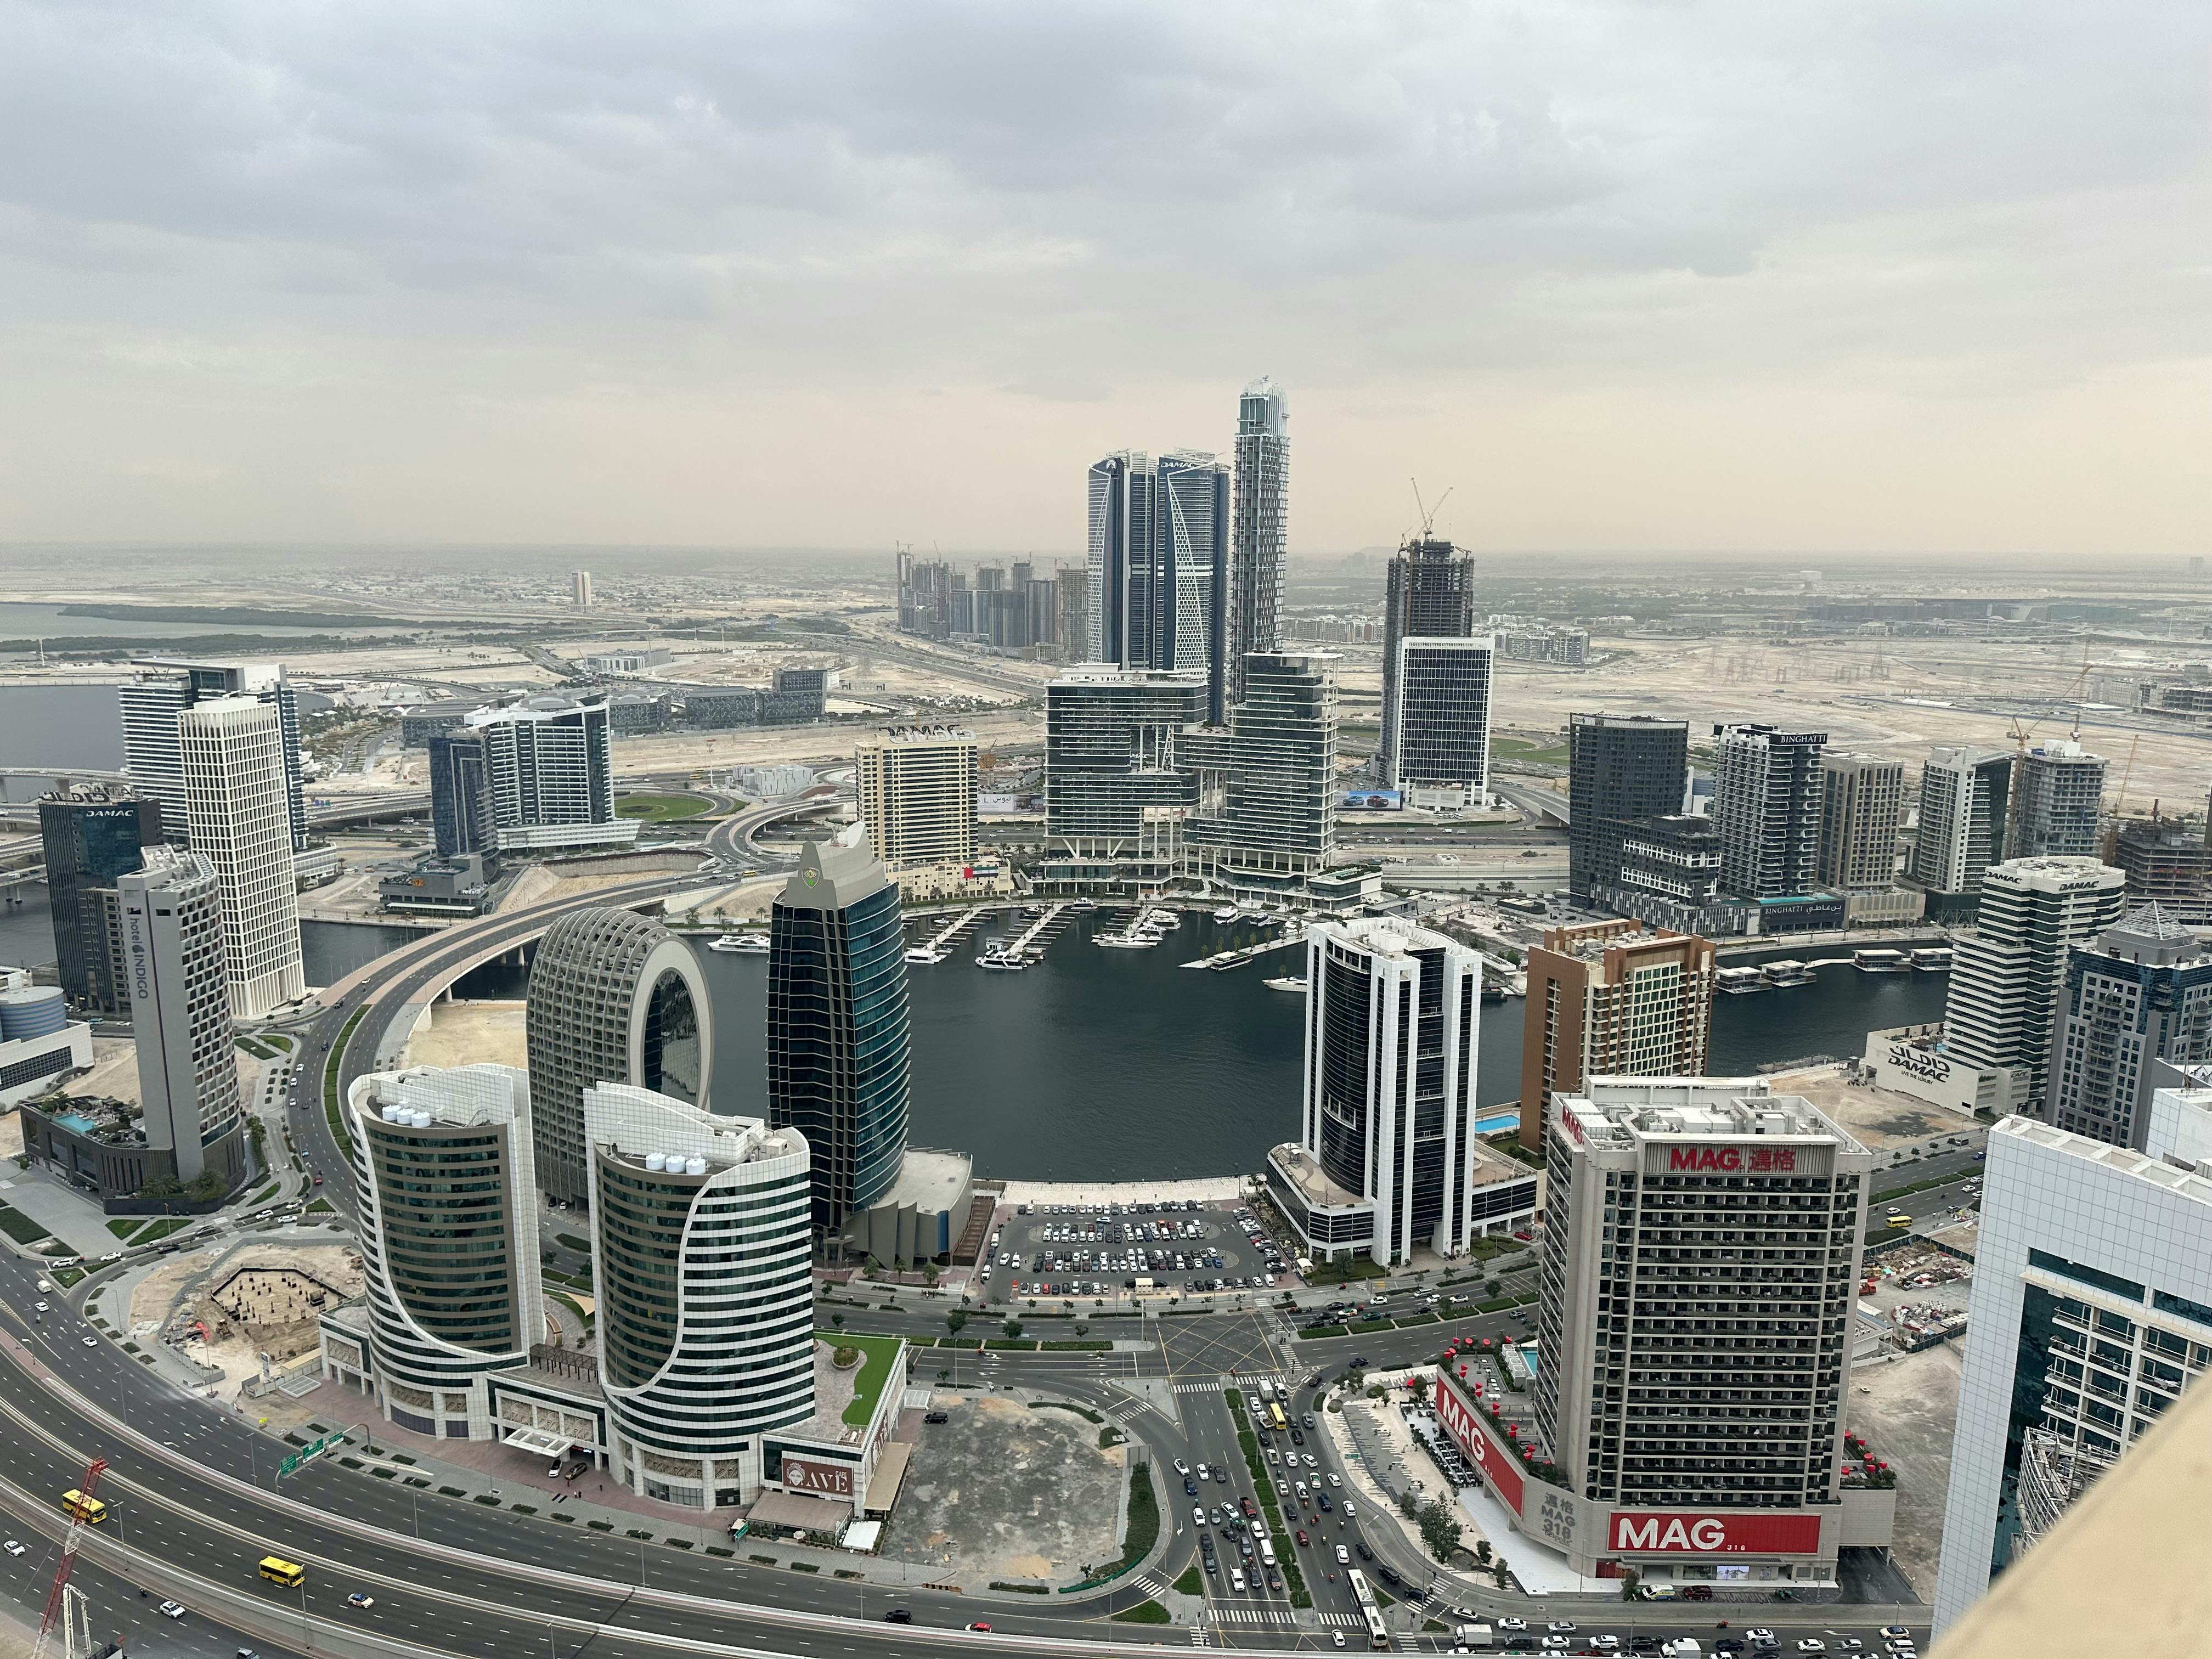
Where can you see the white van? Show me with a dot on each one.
(1267, 1551)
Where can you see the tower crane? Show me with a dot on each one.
(56, 1596)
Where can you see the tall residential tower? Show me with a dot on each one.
(837, 1031)
(232, 753)
(1258, 535)
(1159, 566)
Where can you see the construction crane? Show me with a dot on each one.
(2077, 689)
(55, 1597)
(2120, 804)
(1428, 514)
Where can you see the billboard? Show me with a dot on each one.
(824, 1478)
(1374, 801)
(1675, 1532)
(1500, 1467)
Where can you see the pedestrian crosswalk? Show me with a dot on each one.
(1149, 1585)
(1254, 1615)
(1200, 1637)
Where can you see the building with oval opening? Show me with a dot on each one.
(614, 998)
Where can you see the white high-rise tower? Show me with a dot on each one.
(237, 812)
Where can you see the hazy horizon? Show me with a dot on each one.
(1713, 281)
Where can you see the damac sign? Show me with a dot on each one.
(1733, 1160)
(1499, 1467)
(1678, 1533)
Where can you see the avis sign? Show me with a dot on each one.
(1733, 1160)
(1672, 1532)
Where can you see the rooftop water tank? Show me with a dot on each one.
(656, 1162)
(391, 1112)
(695, 1166)
(421, 1120)
(39, 1011)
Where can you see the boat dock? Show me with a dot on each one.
(1222, 961)
(959, 924)
(1039, 934)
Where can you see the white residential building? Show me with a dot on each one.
(236, 813)
(2091, 1311)
(174, 975)
(702, 1252)
(2005, 973)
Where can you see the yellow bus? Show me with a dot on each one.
(277, 1570)
(90, 1509)
(1275, 1417)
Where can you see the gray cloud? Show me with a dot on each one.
(351, 212)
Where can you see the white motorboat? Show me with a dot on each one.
(1004, 962)
(1288, 982)
(1226, 913)
(1135, 940)
(923, 953)
(743, 945)
(1167, 919)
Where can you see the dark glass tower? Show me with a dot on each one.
(837, 1039)
(460, 796)
(1620, 768)
(92, 834)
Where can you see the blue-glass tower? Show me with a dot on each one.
(838, 1038)
(92, 835)
(460, 795)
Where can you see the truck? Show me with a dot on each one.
(1267, 1390)
(1682, 1647)
(1473, 1636)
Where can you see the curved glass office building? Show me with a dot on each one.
(614, 998)
(449, 1238)
(837, 1028)
(701, 1256)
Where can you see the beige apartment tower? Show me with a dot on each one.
(1607, 999)
(916, 787)
(1860, 811)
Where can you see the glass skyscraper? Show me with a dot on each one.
(1259, 534)
(1159, 565)
(461, 812)
(92, 834)
(838, 1033)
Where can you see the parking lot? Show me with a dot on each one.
(1112, 1249)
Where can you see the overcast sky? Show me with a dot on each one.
(1816, 275)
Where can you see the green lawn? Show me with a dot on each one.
(331, 1081)
(19, 1226)
(161, 1230)
(125, 1228)
(876, 1353)
(1521, 749)
(661, 809)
